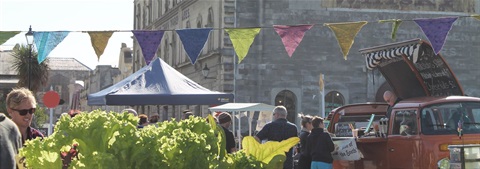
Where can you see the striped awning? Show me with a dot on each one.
(373, 57)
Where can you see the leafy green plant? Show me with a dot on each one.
(272, 153)
(111, 140)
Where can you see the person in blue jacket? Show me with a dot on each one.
(320, 146)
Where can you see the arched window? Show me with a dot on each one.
(166, 49)
(137, 17)
(167, 3)
(288, 99)
(211, 43)
(159, 8)
(333, 100)
(199, 21)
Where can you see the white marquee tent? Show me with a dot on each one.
(246, 110)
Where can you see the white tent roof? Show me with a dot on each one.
(243, 107)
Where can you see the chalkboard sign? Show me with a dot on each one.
(429, 76)
(436, 74)
(343, 129)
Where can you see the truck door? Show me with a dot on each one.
(401, 147)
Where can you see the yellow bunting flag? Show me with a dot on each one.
(476, 16)
(345, 34)
(99, 41)
(395, 25)
(242, 39)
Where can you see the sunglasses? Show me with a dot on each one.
(25, 111)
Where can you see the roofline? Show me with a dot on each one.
(429, 100)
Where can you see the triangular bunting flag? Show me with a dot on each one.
(6, 35)
(476, 16)
(345, 34)
(395, 26)
(291, 36)
(242, 39)
(149, 42)
(436, 30)
(193, 41)
(47, 41)
(99, 41)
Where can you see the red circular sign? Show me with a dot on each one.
(51, 99)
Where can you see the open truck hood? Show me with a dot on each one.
(412, 69)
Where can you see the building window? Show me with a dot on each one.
(288, 99)
(167, 3)
(127, 57)
(211, 43)
(333, 100)
(165, 51)
(159, 8)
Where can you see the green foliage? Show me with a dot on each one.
(24, 65)
(41, 116)
(112, 140)
(271, 153)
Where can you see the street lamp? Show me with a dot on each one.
(205, 72)
(29, 36)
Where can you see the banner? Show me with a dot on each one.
(347, 150)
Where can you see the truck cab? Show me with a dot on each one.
(432, 114)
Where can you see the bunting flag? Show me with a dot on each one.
(149, 42)
(193, 41)
(99, 41)
(345, 34)
(47, 41)
(291, 36)
(242, 39)
(436, 30)
(6, 35)
(395, 26)
(476, 16)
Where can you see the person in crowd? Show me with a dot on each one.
(21, 105)
(74, 113)
(187, 114)
(10, 142)
(143, 121)
(278, 130)
(131, 111)
(303, 159)
(391, 99)
(154, 118)
(319, 146)
(225, 120)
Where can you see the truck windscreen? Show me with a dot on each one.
(447, 118)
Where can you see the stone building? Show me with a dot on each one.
(268, 75)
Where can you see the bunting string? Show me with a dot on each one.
(435, 29)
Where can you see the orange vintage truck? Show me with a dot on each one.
(432, 114)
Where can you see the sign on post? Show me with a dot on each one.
(51, 99)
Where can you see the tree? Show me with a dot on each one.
(28, 68)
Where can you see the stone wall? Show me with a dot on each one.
(267, 69)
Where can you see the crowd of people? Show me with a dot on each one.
(315, 147)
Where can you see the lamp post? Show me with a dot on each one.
(29, 36)
(205, 71)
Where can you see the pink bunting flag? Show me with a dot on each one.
(436, 30)
(149, 42)
(291, 36)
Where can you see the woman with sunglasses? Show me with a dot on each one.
(21, 105)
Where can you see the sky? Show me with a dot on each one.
(71, 15)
